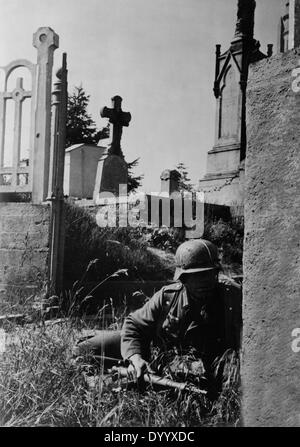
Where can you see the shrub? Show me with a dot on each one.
(228, 236)
(114, 248)
(127, 248)
(167, 238)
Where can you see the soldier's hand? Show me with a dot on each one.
(138, 367)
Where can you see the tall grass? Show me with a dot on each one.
(42, 385)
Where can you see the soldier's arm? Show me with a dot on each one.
(140, 327)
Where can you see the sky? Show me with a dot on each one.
(159, 55)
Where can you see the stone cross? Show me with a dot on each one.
(118, 119)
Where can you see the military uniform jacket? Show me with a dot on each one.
(171, 319)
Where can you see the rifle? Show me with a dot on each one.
(120, 372)
(153, 379)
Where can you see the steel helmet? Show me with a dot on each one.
(197, 255)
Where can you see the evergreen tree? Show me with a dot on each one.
(134, 182)
(103, 133)
(185, 182)
(80, 126)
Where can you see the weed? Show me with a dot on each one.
(41, 385)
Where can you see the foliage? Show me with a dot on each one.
(185, 182)
(167, 238)
(114, 248)
(228, 236)
(42, 385)
(102, 134)
(134, 182)
(227, 408)
(80, 126)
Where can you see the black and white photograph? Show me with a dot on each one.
(150, 216)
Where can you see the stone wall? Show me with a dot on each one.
(24, 244)
(270, 368)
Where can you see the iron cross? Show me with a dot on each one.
(118, 119)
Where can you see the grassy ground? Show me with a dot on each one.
(41, 385)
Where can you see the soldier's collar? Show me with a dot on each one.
(188, 301)
(185, 298)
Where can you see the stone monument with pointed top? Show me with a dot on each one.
(223, 183)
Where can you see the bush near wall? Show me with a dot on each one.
(227, 235)
(114, 248)
(127, 248)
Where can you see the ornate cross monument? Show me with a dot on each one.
(223, 182)
(118, 119)
(112, 168)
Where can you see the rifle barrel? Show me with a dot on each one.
(109, 359)
(162, 381)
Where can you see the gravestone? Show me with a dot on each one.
(112, 168)
(271, 351)
(81, 161)
(223, 182)
(169, 181)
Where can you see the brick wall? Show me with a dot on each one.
(270, 368)
(24, 239)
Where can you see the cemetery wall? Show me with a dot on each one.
(24, 245)
(270, 367)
